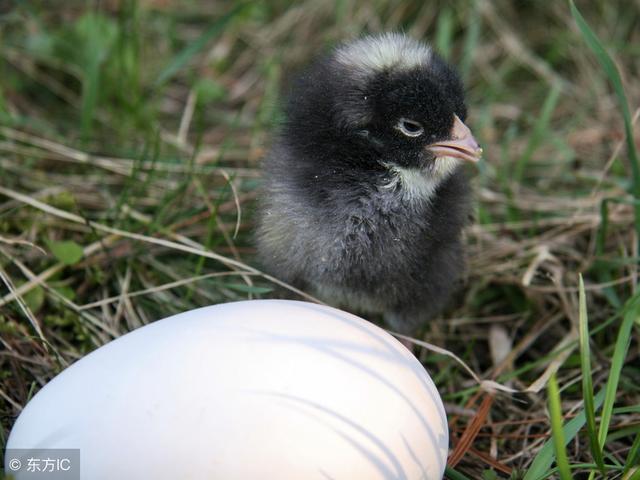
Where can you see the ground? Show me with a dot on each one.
(131, 135)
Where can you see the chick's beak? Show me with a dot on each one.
(462, 144)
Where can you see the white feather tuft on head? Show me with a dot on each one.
(375, 53)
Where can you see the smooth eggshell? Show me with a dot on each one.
(267, 389)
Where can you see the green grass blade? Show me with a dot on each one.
(633, 458)
(183, 57)
(540, 131)
(90, 88)
(587, 382)
(601, 267)
(444, 33)
(92, 40)
(452, 474)
(632, 311)
(634, 476)
(471, 39)
(541, 464)
(614, 77)
(555, 410)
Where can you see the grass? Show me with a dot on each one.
(555, 411)
(130, 143)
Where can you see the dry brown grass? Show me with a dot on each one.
(159, 194)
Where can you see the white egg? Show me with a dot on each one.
(264, 389)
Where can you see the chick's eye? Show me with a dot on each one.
(410, 128)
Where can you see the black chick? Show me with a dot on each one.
(364, 198)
